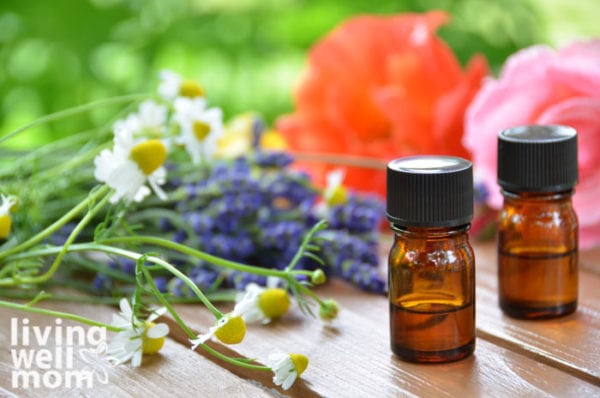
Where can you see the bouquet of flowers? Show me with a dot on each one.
(230, 219)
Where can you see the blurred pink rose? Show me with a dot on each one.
(538, 85)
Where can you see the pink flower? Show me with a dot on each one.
(538, 85)
(382, 87)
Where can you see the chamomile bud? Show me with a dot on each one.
(318, 277)
(329, 310)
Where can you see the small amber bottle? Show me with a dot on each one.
(538, 229)
(431, 264)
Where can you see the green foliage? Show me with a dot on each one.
(247, 53)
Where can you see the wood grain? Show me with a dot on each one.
(351, 357)
(569, 342)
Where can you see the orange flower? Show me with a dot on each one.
(382, 87)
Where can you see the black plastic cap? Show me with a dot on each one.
(537, 158)
(430, 191)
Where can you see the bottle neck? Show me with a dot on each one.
(431, 232)
(538, 196)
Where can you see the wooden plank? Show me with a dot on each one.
(176, 371)
(589, 260)
(569, 342)
(351, 357)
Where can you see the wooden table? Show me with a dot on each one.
(350, 357)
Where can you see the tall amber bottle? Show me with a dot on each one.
(538, 228)
(431, 263)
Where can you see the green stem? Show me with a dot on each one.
(84, 221)
(72, 164)
(205, 256)
(58, 314)
(73, 111)
(170, 215)
(103, 269)
(232, 361)
(21, 295)
(84, 247)
(305, 242)
(166, 304)
(310, 293)
(57, 224)
(190, 333)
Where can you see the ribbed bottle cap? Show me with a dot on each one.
(537, 158)
(430, 191)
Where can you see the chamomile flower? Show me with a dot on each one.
(229, 329)
(335, 193)
(137, 337)
(200, 127)
(287, 368)
(130, 165)
(172, 86)
(5, 221)
(260, 305)
(149, 121)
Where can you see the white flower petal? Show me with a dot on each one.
(170, 84)
(7, 203)
(156, 313)
(335, 178)
(289, 380)
(134, 345)
(158, 331)
(273, 281)
(120, 321)
(157, 190)
(136, 360)
(202, 338)
(125, 308)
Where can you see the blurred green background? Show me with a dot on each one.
(247, 53)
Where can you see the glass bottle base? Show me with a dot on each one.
(525, 310)
(455, 354)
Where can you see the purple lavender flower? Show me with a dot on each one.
(255, 210)
(270, 159)
(357, 215)
(102, 283)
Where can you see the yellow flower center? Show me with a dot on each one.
(233, 331)
(149, 155)
(201, 130)
(273, 140)
(191, 89)
(5, 226)
(274, 302)
(150, 345)
(300, 363)
(338, 196)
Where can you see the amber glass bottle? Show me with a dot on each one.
(431, 264)
(538, 229)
